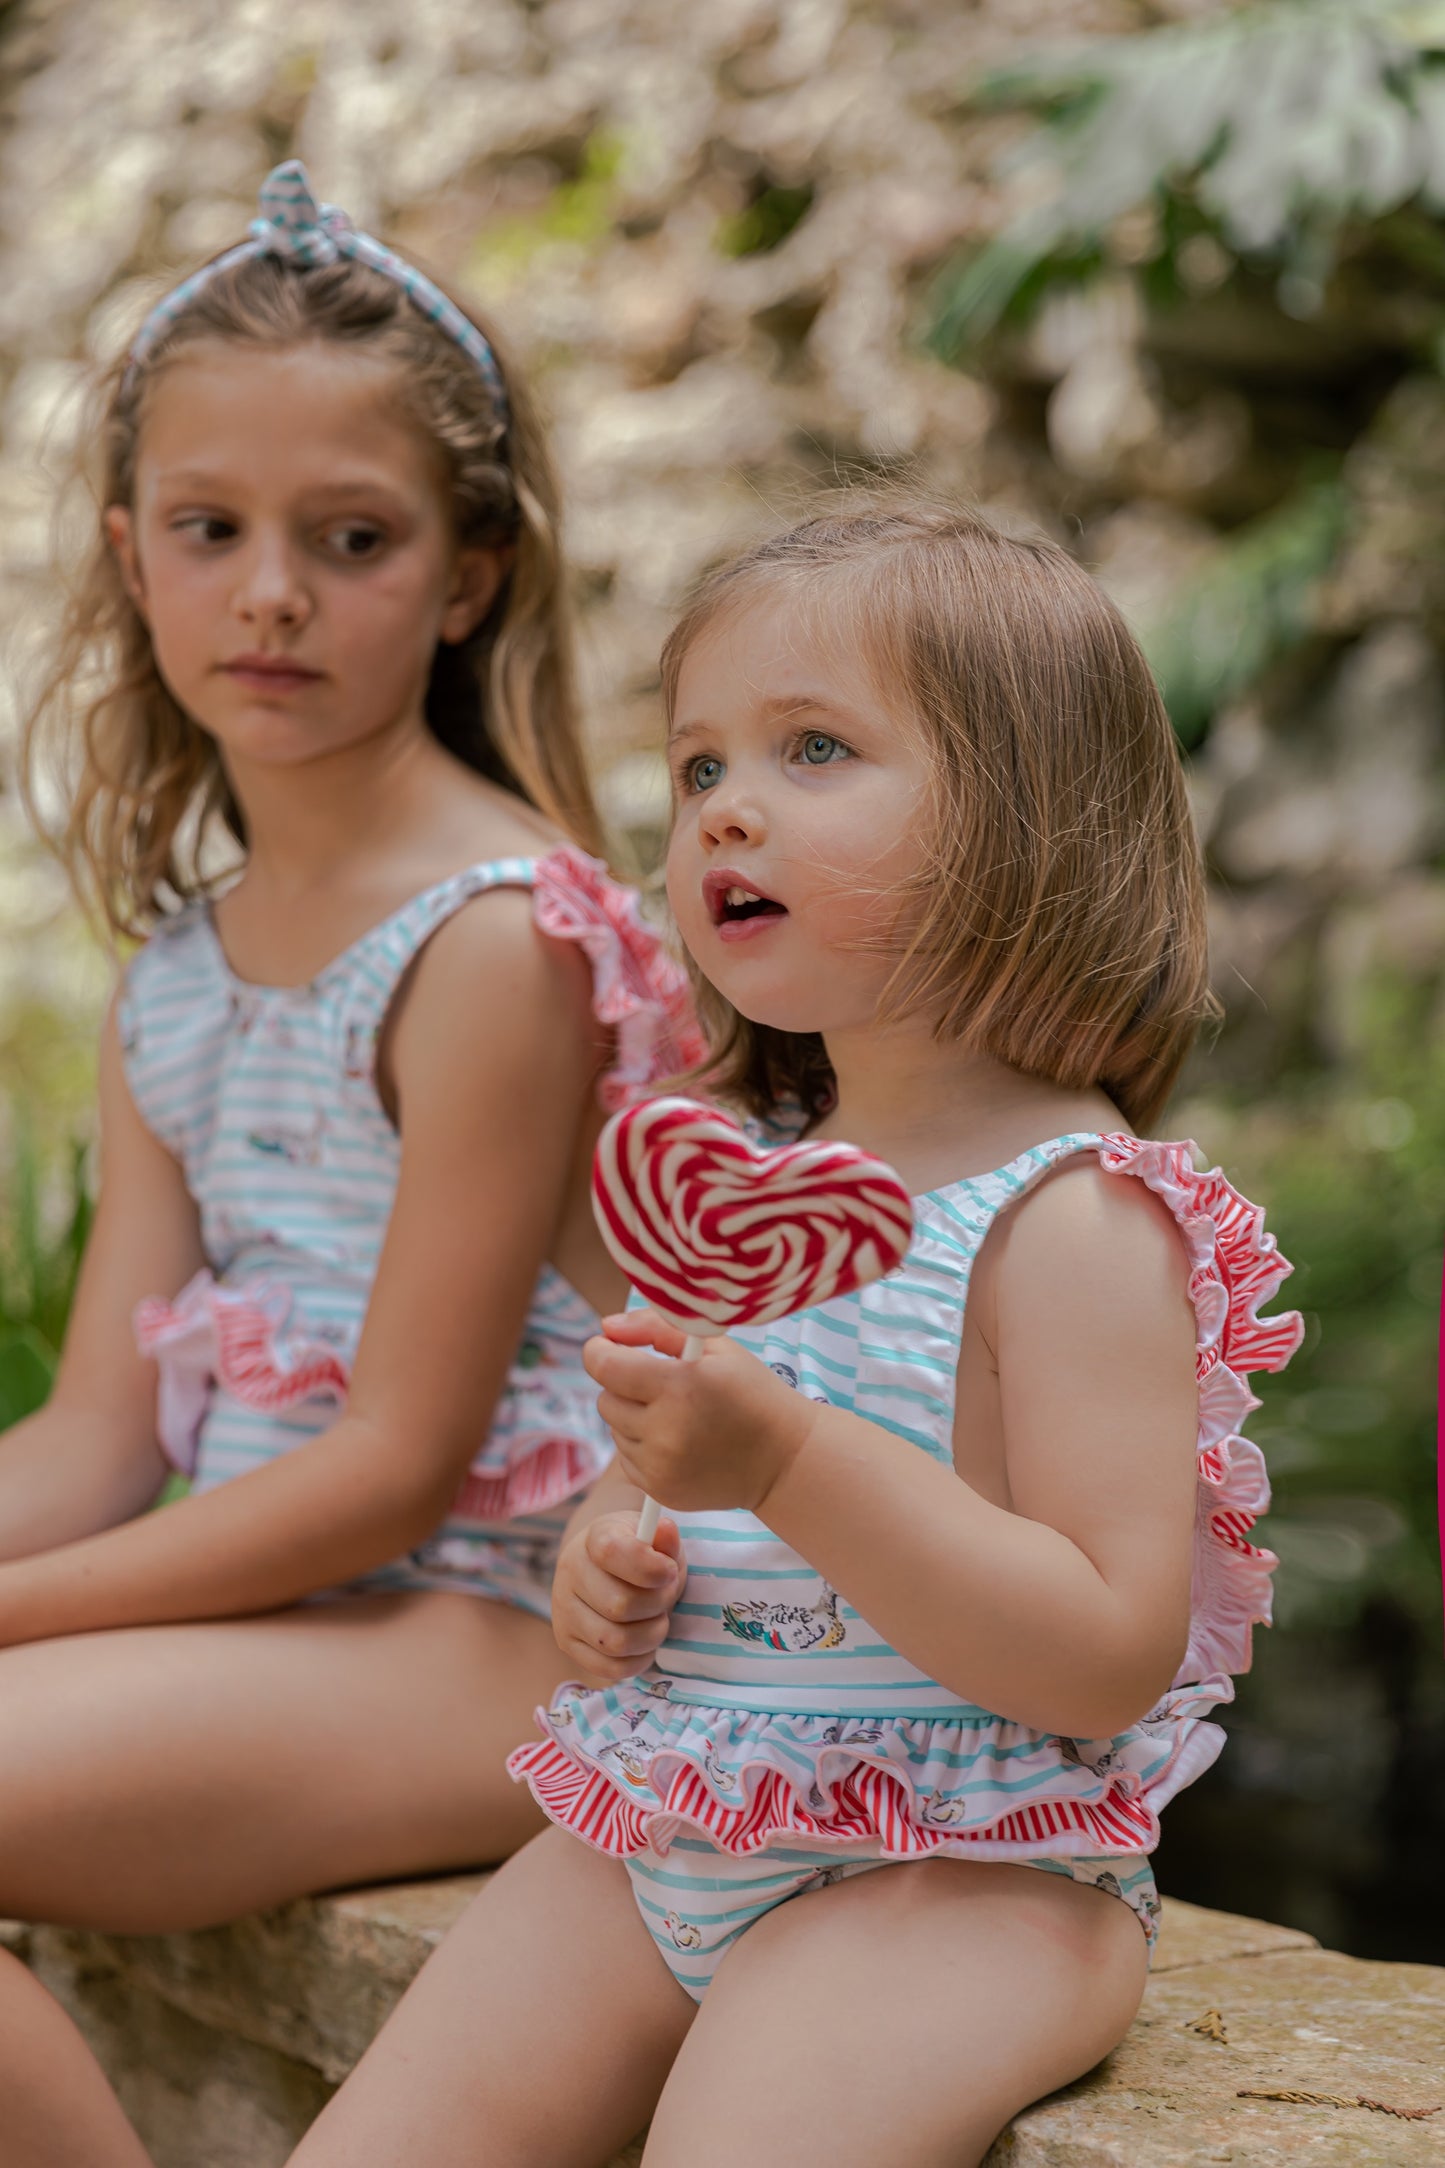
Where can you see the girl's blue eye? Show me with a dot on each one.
(704, 773)
(818, 749)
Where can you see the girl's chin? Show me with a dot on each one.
(774, 1008)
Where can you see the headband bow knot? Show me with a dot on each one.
(293, 225)
(300, 232)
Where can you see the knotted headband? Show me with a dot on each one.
(296, 229)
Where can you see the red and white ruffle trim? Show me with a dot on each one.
(638, 990)
(237, 1338)
(627, 1771)
(541, 1470)
(1234, 1268)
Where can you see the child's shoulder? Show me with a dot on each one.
(1129, 1223)
(1104, 1210)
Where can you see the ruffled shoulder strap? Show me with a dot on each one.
(639, 989)
(364, 980)
(1235, 1267)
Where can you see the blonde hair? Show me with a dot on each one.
(143, 784)
(1058, 923)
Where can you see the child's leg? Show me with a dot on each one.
(904, 2015)
(176, 1776)
(56, 2110)
(539, 2036)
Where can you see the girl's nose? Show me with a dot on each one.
(732, 814)
(270, 590)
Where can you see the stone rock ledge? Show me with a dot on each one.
(225, 2044)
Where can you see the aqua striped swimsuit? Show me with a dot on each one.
(267, 1098)
(780, 1743)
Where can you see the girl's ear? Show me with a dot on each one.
(477, 576)
(120, 534)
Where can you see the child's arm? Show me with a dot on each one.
(89, 1457)
(1068, 1613)
(494, 1057)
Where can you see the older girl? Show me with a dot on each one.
(343, 1264)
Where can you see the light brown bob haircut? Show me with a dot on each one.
(1059, 922)
(142, 782)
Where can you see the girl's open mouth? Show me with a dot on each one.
(737, 909)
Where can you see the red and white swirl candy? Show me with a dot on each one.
(713, 1232)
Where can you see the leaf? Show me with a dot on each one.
(1281, 122)
(1250, 606)
(27, 1369)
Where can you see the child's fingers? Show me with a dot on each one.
(621, 1641)
(605, 1647)
(643, 1328)
(621, 1418)
(614, 1547)
(619, 1600)
(634, 1373)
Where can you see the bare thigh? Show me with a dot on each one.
(175, 1776)
(905, 2014)
(56, 2109)
(538, 2036)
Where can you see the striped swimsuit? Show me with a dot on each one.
(267, 1098)
(780, 1743)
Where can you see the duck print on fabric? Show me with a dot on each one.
(787, 1627)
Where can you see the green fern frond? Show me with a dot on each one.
(1250, 607)
(1279, 123)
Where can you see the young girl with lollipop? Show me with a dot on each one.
(871, 1773)
(348, 1103)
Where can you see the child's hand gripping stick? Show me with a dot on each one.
(713, 1233)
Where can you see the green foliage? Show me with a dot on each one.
(766, 223)
(1274, 125)
(577, 214)
(1251, 606)
(39, 1264)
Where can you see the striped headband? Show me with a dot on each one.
(296, 229)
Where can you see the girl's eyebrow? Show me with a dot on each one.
(798, 703)
(776, 707)
(204, 478)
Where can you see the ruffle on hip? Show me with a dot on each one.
(547, 1443)
(235, 1337)
(1235, 1267)
(629, 1769)
(639, 990)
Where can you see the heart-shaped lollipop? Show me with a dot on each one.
(713, 1232)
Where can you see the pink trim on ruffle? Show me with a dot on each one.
(868, 1801)
(1235, 1267)
(236, 1338)
(638, 989)
(542, 1473)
